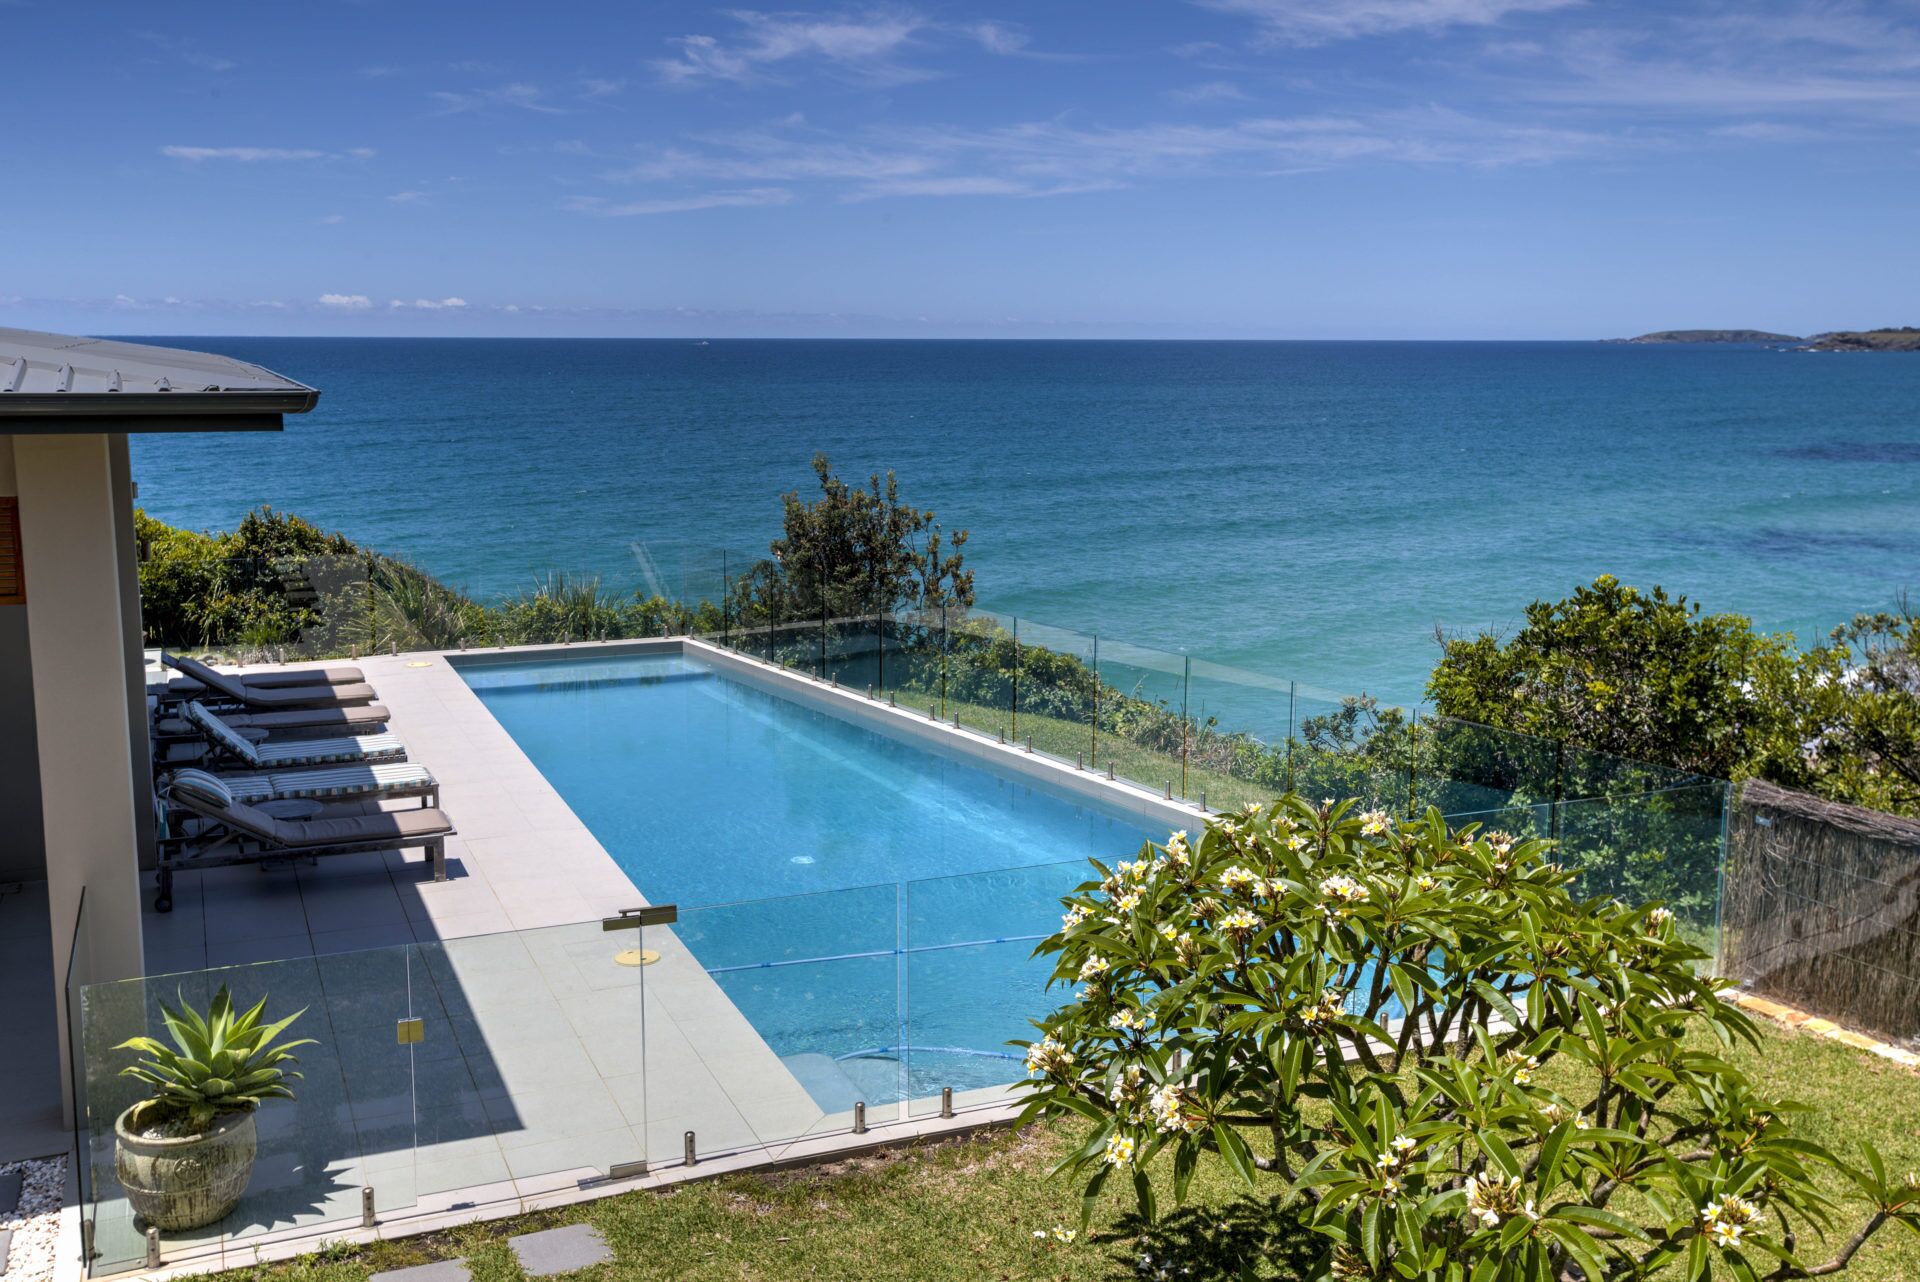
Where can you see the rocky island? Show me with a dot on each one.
(1904, 339)
(1709, 336)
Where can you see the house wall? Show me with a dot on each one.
(22, 841)
(71, 546)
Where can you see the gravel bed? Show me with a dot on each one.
(36, 1223)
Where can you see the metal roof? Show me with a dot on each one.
(143, 388)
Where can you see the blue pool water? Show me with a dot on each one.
(863, 900)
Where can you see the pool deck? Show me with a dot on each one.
(532, 1085)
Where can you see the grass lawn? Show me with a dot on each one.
(969, 1209)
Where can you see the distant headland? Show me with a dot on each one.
(1901, 339)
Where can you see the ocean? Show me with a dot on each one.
(1311, 510)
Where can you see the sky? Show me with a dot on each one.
(1112, 168)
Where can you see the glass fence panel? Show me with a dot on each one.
(1463, 767)
(769, 1020)
(1662, 846)
(1057, 694)
(853, 651)
(978, 686)
(911, 662)
(1347, 746)
(1242, 739)
(348, 1127)
(1145, 733)
(971, 983)
(530, 1069)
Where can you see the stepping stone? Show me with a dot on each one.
(438, 1271)
(10, 1186)
(577, 1246)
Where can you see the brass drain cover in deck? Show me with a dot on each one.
(636, 957)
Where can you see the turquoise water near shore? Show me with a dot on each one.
(1309, 509)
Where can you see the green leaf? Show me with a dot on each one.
(1234, 1151)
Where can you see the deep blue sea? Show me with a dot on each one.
(1310, 509)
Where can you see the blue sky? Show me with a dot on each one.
(1263, 168)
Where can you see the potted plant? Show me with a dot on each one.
(185, 1154)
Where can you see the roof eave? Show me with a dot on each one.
(149, 406)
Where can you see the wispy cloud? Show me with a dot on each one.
(408, 197)
(186, 51)
(427, 304)
(345, 302)
(519, 94)
(1054, 158)
(742, 199)
(596, 88)
(863, 45)
(252, 155)
(1208, 91)
(331, 220)
(1313, 22)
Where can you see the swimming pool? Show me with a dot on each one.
(869, 903)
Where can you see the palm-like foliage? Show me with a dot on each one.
(220, 1061)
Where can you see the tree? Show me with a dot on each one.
(1637, 674)
(1857, 734)
(1458, 1069)
(854, 551)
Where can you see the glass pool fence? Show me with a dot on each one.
(1175, 723)
(496, 1068)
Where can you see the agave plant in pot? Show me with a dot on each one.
(185, 1153)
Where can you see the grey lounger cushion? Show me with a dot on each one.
(268, 697)
(273, 678)
(300, 834)
(366, 718)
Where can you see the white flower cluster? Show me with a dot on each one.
(1128, 1020)
(1556, 1113)
(1168, 1114)
(1075, 915)
(1048, 1056)
(1523, 1067)
(1057, 1234)
(1238, 878)
(1376, 823)
(1119, 1150)
(1126, 1088)
(1425, 882)
(1659, 918)
(1330, 1007)
(1399, 1150)
(1727, 1219)
(1492, 1198)
(1094, 966)
(1344, 892)
(1178, 853)
(1238, 923)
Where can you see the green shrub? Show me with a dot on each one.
(1462, 1072)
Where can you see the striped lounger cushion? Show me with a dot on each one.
(373, 747)
(209, 789)
(331, 784)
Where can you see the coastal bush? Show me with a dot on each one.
(1649, 679)
(209, 589)
(1431, 1054)
(853, 551)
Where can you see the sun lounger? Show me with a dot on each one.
(274, 678)
(295, 723)
(228, 831)
(381, 781)
(223, 741)
(228, 688)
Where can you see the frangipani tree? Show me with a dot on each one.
(1466, 1073)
